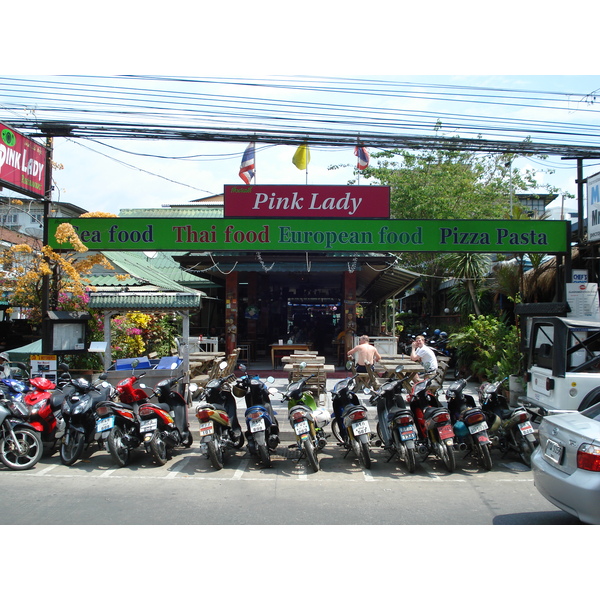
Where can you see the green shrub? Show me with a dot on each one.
(488, 348)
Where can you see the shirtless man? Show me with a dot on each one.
(366, 354)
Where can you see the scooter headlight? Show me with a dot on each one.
(83, 405)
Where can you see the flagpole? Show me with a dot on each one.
(357, 159)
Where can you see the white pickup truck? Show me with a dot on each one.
(563, 370)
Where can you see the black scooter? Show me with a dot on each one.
(81, 399)
(395, 422)
(469, 424)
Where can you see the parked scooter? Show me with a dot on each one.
(509, 428)
(45, 411)
(434, 427)
(469, 424)
(307, 420)
(262, 428)
(164, 425)
(350, 423)
(217, 419)
(118, 422)
(20, 444)
(395, 422)
(81, 398)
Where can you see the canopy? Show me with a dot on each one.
(23, 353)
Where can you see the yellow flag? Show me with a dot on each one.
(301, 157)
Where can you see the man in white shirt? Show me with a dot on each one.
(425, 355)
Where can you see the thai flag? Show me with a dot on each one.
(363, 157)
(248, 168)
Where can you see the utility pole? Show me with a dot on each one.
(46, 331)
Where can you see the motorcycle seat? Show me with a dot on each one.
(432, 410)
(394, 412)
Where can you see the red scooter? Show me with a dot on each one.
(436, 435)
(45, 414)
(118, 421)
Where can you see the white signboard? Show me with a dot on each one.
(44, 366)
(593, 207)
(583, 300)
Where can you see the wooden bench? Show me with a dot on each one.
(317, 383)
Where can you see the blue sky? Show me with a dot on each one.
(97, 177)
(456, 44)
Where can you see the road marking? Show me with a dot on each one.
(109, 472)
(44, 471)
(240, 470)
(178, 467)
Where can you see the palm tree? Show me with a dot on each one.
(471, 268)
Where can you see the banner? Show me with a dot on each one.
(310, 235)
(22, 163)
(309, 201)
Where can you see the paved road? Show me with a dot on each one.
(187, 490)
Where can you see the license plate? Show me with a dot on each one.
(206, 428)
(407, 433)
(149, 425)
(526, 428)
(301, 427)
(257, 425)
(105, 424)
(445, 432)
(478, 427)
(361, 427)
(553, 451)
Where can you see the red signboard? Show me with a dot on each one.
(22, 163)
(305, 201)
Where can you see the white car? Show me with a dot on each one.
(566, 464)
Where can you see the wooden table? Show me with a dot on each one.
(279, 350)
(389, 368)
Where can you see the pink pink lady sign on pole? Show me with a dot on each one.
(308, 201)
(22, 163)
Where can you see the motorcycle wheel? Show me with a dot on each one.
(31, 443)
(311, 454)
(335, 428)
(365, 455)
(263, 453)
(72, 447)
(410, 458)
(485, 457)
(158, 449)
(526, 448)
(215, 454)
(446, 453)
(240, 442)
(118, 450)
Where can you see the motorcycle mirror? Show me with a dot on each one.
(63, 367)
(367, 390)
(349, 365)
(302, 365)
(142, 385)
(223, 365)
(173, 366)
(242, 367)
(193, 387)
(102, 376)
(399, 369)
(134, 363)
(270, 379)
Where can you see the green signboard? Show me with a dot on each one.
(311, 235)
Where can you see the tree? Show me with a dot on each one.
(25, 269)
(471, 268)
(449, 184)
